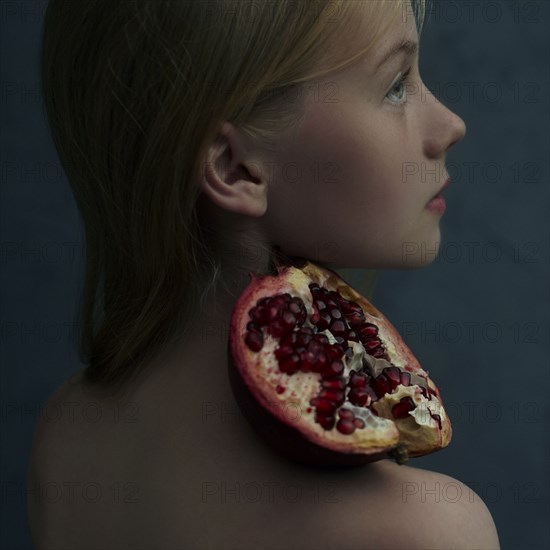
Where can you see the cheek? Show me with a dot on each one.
(339, 194)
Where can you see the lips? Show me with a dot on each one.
(447, 183)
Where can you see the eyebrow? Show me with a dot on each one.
(410, 48)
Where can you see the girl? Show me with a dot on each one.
(200, 138)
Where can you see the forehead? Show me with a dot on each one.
(369, 28)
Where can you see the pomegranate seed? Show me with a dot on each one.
(327, 422)
(371, 344)
(335, 368)
(320, 323)
(355, 319)
(381, 385)
(336, 396)
(348, 306)
(358, 423)
(279, 301)
(352, 335)
(280, 389)
(358, 397)
(402, 408)
(346, 414)
(368, 330)
(323, 406)
(291, 364)
(338, 328)
(320, 363)
(340, 341)
(278, 329)
(336, 313)
(371, 392)
(357, 380)
(322, 339)
(334, 352)
(256, 314)
(346, 427)
(321, 306)
(295, 306)
(263, 301)
(334, 384)
(283, 351)
(254, 340)
(315, 347)
(308, 361)
(405, 378)
(289, 339)
(303, 339)
(378, 352)
(393, 374)
(289, 318)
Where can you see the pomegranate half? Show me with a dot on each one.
(324, 377)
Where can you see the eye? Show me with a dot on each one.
(399, 89)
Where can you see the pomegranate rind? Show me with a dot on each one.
(255, 375)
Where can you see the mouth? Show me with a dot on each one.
(438, 194)
(437, 203)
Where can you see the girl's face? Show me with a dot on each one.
(350, 188)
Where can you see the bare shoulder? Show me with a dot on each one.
(432, 510)
(79, 453)
(191, 475)
(380, 506)
(53, 417)
(41, 470)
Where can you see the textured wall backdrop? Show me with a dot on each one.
(477, 318)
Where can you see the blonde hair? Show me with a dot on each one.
(134, 92)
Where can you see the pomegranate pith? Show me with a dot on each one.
(305, 339)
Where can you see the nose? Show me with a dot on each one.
(444, 128)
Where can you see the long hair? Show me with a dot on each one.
(134, 92)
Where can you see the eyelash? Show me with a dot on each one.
(402, 80)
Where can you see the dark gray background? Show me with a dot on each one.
(476, 318)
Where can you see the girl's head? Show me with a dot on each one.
(199, 135)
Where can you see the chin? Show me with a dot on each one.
(410, 254)
(418, 254)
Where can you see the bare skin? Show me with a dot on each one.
(172, 463)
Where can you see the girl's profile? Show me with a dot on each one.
(201, 138)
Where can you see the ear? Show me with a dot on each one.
(230, 177)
